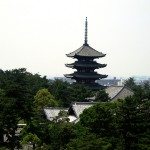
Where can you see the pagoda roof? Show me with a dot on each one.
(93, 75)
(86, 64)
(86, 51)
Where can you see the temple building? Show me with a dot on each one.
(85, 64)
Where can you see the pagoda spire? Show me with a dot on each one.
(86, 32)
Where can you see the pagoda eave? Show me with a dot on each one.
(86, 51)
(83, 56)
(68, 75)
(95, 66)
(85, 76)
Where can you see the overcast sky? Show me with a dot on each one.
(36, 34)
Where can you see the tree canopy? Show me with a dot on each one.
(121, 125)
(43, 98)
(66, 93)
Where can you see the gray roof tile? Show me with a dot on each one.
(86, 51)
(113, 90)
(118, 92)
(79, 107)
(51, 112)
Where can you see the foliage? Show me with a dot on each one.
(144, 142)
(21, 86)
(141, 91)
(144, 90)
(130, 83)
(102, 96)
(37, 127)
(125, 124)
(58, 87)
(62, 117)
(44, 147)
(18, 88)
(121, 125)
(89, 142)
(30, 138)
(8, 118)
(43, 98)
(99, 119)
(133, 119)
(54, 135)
(60, 134)
(79, 93)
(67, 93)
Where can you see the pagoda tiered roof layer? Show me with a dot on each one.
(85, 75)
(86, 64)
(86, 51)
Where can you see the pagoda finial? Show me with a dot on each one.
(86, 31)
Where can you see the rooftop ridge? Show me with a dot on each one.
(55, 108)
(116, 86)
(82, 103)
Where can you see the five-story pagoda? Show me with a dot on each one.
(85, 64)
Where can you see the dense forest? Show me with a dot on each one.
(119, 125)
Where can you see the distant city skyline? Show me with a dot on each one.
(37, 34)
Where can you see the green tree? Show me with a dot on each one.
(102, 96)
(133, 115)
(43, 98)
(22, 86)
(18, 88)
(79, 92)
(146, 89)
(8, 119)
(2, 97)
(131, 83)
(62, 117)
(99, 119)
(61, 91)
(31, 139)
(58, 88)
(89, 142)
(67, 93)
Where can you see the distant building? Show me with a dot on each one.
(74, 111)
(51, 112)
(110, 82)
(115, 92)
(77, 108)
(85, 64)
(118, 92)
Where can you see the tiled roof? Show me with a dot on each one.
(118, 92)
(113, 90)
(86, 51)
(51, 112)
(72, 118)
(79, 107)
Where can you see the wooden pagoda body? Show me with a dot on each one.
(85, 65)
